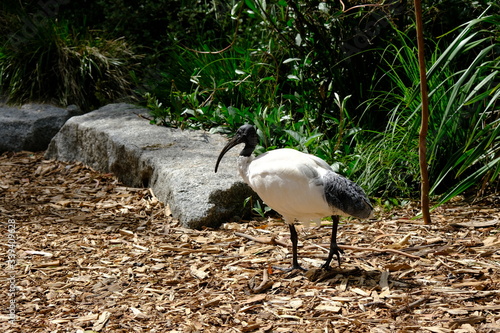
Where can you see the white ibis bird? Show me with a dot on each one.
(299, 186)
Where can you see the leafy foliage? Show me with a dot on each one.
(53, 63)
(286, 109)
(338, 82)
(464, 132)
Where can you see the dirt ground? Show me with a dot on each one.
(92, 255)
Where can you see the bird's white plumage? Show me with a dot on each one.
(290, 182)
(299, 186)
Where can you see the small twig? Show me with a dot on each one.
(359, 6)
(210, 52)
(264, 285)
(263, 240)
(378, 304)
(468, 320)
(411, 305)
(445, 264)
(142, 116)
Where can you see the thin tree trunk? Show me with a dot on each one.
(422, 148)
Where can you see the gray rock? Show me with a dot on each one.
(32, 126)
(178, 165)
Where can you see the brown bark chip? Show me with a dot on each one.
(92, 255)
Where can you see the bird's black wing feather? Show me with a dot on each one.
(349, 197)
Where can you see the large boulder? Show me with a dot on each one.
(177, 164)
(31, 126)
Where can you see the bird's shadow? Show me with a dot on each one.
(355, 277)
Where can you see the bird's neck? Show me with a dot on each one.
(246, 156)
(248, 149)
(243, 164)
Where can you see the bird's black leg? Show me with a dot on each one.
(295, 239)
(295, 262)
(334, 248)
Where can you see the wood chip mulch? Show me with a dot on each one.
(93, 255)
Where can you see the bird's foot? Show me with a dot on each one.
(335, 249)
(326, 267)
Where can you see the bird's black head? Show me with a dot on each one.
(245, 134)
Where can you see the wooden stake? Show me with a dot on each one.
(422, 146)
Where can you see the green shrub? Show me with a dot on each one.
(51, 62)
(464, 127)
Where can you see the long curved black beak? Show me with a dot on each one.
(236, 140)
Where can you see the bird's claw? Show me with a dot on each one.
(337, 251)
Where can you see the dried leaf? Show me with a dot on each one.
(101, 321)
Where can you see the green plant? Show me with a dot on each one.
(261, 211)
(389, 203)
(56, 64)
(273, 60)
(464, 131)
(468, 132)
(258, 208)
(303, 88)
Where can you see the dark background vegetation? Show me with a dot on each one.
(336, 79)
